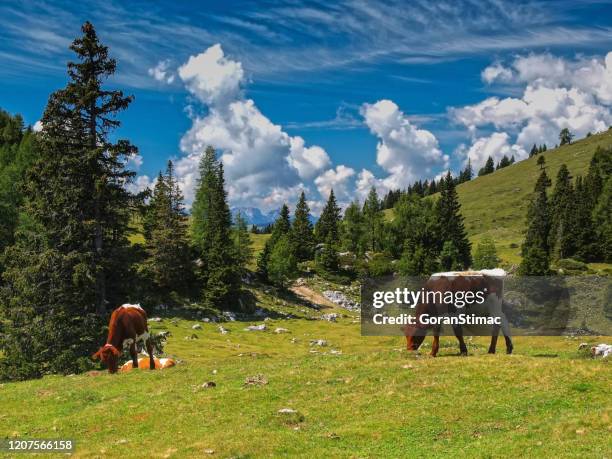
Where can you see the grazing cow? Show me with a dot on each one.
(486, 280)
(127, 327)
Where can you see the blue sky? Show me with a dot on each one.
(314, 95)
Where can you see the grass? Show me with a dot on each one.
(496, 204)
(372, 400)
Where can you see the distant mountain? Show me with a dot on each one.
(254, 216)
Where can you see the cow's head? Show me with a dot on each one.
(414, 337)
(109, 355)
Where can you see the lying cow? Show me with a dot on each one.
(486, 280)
(127, 327)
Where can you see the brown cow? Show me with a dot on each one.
(127, 326)
(490, 281)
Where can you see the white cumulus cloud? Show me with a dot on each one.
(404, 151)
(557, 93)
(262, 161)
(336, 179)
(162, 72)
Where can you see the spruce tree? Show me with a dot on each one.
(280, 229)
(242, 241)
(282, 264)
(562, 223)
(565, 137)
(535, 249)
(448, 210)
(585, 236)
(168, 257)
(353, 230)
(488, 168)
(327, 226)
(373, 219)
(69, 259)
(302, 231)
(211, 236)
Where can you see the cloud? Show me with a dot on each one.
(404, 151)
(261, 160)
(496, 146)
(336, 179)
(141, 183)
(162, 72)
(37, 126)
(135, 162)
(211, 77)
(557, 93)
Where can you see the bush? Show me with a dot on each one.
(379, 265)
(568, 264)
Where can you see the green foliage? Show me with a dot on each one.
(168, 262)
(488, 168)
(282, 264)
(565, 137)
(327, 258)
(451, 227)
(69, 259)
(242, 241)
(379, 265)
(352, 231)
(218, 270)
(535, 249)
(485, 256)
(373, 220)
(302, 236)
(562, 236)
(328, 225)
(568, 264)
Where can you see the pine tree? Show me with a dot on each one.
(69, 259)
(282, 225)
(565, 137)
(585, 236)
(280, 230)
(282, 264)
(168, 262)
(485, 256)
(562, 225)
(373, 219)
(541, 162)
(353, 230)
(535, 249)
(329, 221)
(211, 235)
(302, 232)
(451, 227)
(534, 151)
(328, 256)
(488, 168)
(242, 241)
(602, 215)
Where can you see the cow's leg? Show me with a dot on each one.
(459, 334)
(134, 355)
(435, 346)
(509, 346)
(494, 335)
(150, 352)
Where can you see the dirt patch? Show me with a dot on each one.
(313, 297)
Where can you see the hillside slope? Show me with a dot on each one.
(496, 204)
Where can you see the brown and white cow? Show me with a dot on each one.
(127, 327)
(487, 280)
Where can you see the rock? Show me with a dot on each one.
(205, 320)
(299, 282)
(331, 317)
(222, 330)
(339, 298)
(267, 319)
(603, 350)
(259, 313)
(197, 327)
(209, 451)
(193, 336)
(293, 340)
(208, 385)
(280, 330)
(257, 380)
(335, 352)
(287, 411)
(318, 342)
(155, 319)
(261, 327)
(229, 315)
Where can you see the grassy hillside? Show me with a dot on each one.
(496, 204)
(356, 397)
